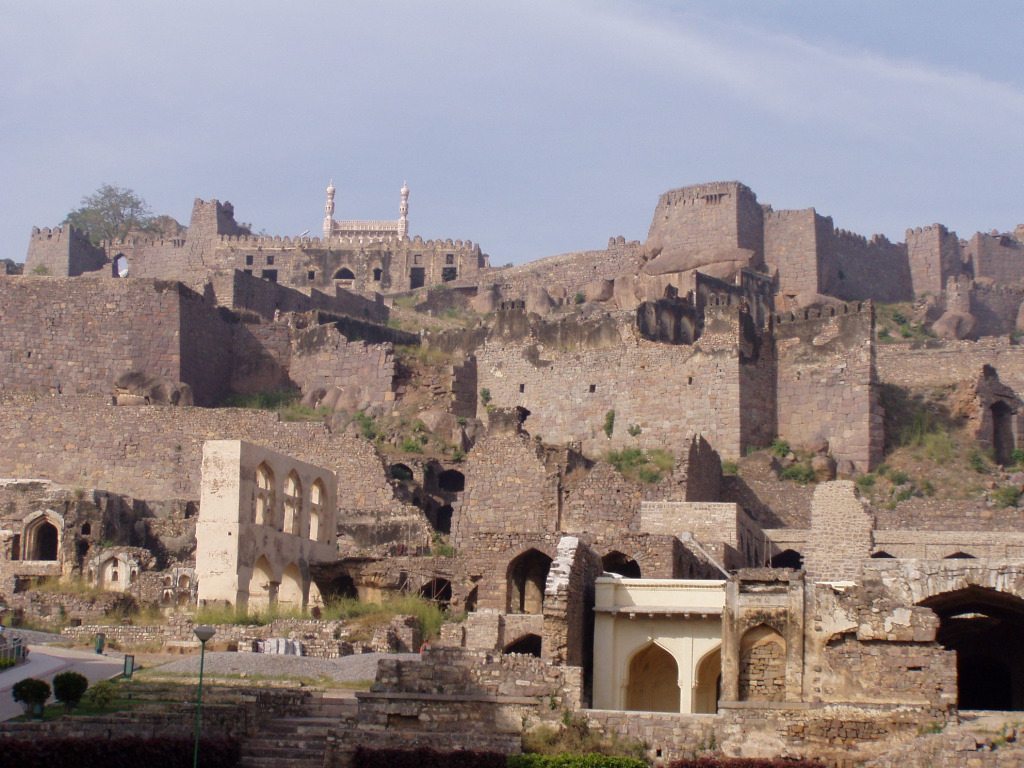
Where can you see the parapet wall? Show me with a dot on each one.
(870, 269)
(826, 382)
(62, 252)
(936, 362)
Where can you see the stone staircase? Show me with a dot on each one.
(301, 741)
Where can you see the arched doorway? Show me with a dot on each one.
(984, 627)
(344, 274)
(623, 565)
(653, 681)
(451, 481)
(43, 540)
(528, 645)
(526, 577)
(708, 689)
(762, 665)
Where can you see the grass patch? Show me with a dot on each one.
(286, 402)
(1007, 496)
(800, 472)
(642, 466)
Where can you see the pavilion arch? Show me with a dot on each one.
(263, 585)
(762, 671)
(621, 564)
(317, 510)
(788, 558)
(264, 512)
(528, 645)
(707, 689)
(344, 274)
(526, 577)
(42, 538)
(983, 626)
(293, 504)
(291, 589)
(653, 680)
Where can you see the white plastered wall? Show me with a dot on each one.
(229, 540)
(684, 617)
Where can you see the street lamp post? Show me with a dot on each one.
(204, 634)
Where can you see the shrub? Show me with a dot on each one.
(579, 298)
(69, 687)
(590, 760)
(644, 466)
(1017, 456)
(743, 762)
(367, 757)
(898, 477)
(976, 461)
(1007, 496)
(167, 752)
(609, 423)
(799, 473)
(31, 691)
(865, 482)
(779, 448)
(102, 694)
(485, 396)
(634, 430)
(411, 445)
(730, 467)
(939, 448)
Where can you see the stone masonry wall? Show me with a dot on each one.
(826, 382)
(840, 535)
(999, 257)
(936, 362)
(155, 452)
(62, 252)
(793, 243)
(323, 358)
(859, 263)
(934, 255)
(75, 337)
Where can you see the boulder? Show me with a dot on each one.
(598, 290)
(812, 300)
(557, 291)
(154, 390)
(627, 291)
(443, 425)
(681, 259)
(845, 469)
(954, 325)
(485, 301)
(538, 301)
(824, 468)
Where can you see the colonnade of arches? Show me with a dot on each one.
(267, 588)
(299, 514)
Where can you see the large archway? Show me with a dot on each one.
(708, 688)
(262, 586)
(653, 681)
(526, 577)
(984, 627)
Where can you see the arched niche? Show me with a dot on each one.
(708, 688)
(293, 504)
(344, 274)
(526, 577)
(762, 673)
(42, 540)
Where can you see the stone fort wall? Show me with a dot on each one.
(826, 382)
(937, 362)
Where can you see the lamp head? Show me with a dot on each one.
(204, 633)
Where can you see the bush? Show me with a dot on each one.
(939, 448)
(634, 430)
(31, 691)
(865, 482)
(171, 752)
(799, 473)
(411, 445)
(743, 762)
(1007, 496)
(898, 477)
(574, 761)
(485, 397)
(730, 467)
(976, 460)
(1017, 457)
(609, 423)
(102, 694)
(69, 687)
(779, 448)
(367, 757)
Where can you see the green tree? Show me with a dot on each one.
(68, 688)
(111, 212)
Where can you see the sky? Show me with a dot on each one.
(532, 127)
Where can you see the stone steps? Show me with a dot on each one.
(301, 741)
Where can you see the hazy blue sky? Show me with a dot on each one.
(532, 127)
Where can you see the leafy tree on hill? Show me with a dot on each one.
(111, 212)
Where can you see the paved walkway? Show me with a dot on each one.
(45, 661)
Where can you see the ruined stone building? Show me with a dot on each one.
(679, 606)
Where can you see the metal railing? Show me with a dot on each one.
(13, 650)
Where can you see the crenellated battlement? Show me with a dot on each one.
(825, 313)
(704, 193)
(937, 228)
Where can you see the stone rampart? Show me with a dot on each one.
(826, 382)
(936, 362)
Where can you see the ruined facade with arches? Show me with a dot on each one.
(266, 519)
